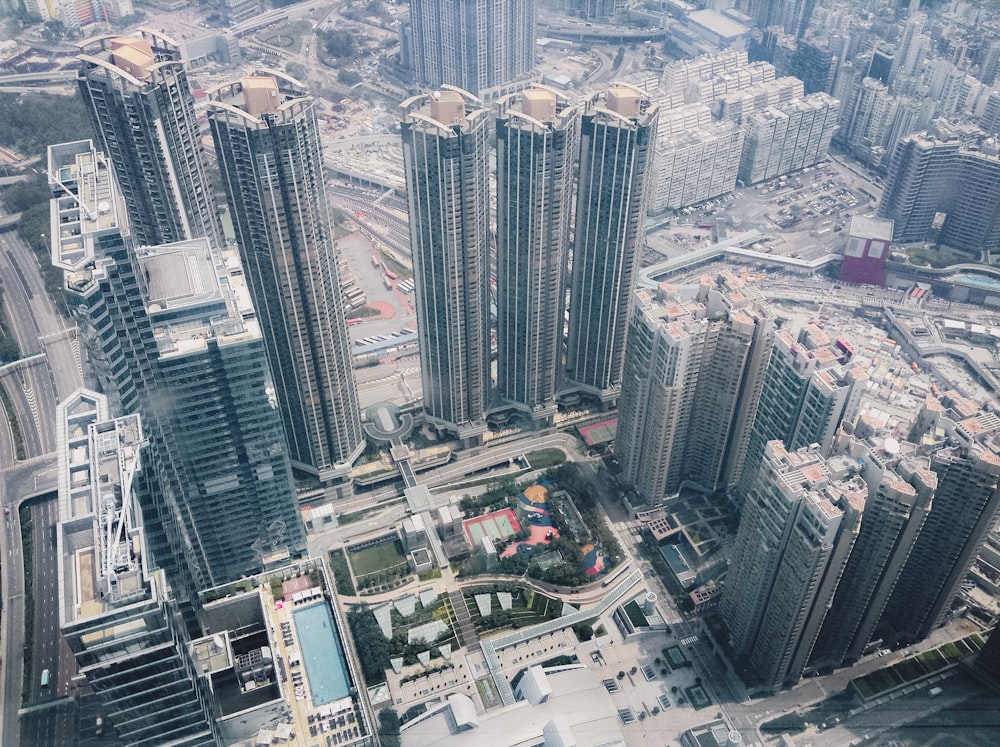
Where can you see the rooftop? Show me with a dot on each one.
(579, 703)
(98, 533)
(85, 202)
(194, 294)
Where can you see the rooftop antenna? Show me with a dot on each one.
(90, 214)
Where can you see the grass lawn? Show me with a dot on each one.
(698, 697)
(676, 657)
(544, 458)
(289, 36)
(382, 557)
(488, 692)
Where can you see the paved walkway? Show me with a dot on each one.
(463, 619)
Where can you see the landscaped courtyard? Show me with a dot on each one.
(378, 566)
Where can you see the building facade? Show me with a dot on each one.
(537, 142)
(473, 45)
(137, 94)
(965, 506)
(446, 159)
(220, 437)
(268, 147)
(788, 137)
(690, 387)
(618, 131)
(941, 190)
(808, 390)
(664, 357)
(899, 499)
(172, 335)
(795, 535)
(146, 680)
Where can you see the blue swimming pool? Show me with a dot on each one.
(322, 654)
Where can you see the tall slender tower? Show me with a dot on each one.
(664, 359)
(618, 130)
(268, 147)
(806, 394)
(894, 513)
(965, 506)
(445, 155)
(222, 444)
(140, 103)
(795, 535)
(536, 146)
(472, 45)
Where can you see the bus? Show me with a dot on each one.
(390, 274)
(45, 678)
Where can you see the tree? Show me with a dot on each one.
(619, 58)
(584, 631)
(32, 121)
(348, 77)
(23, 195)
(388, 728)
(339, 44)
(368, 638)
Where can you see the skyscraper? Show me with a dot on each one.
(616, 145)
(965, 506)
(221, 432)
(665, 355)
(446, 159)
(690, 373)
(921, 173)
(796, 533)
(805, 396)
(173, 336)
(267, 142)
(141, 106)
(472, 45)
(536, 150)
(898, 501)
(117, 612)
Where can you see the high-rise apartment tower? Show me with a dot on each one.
(140, 103)
(267, 142)
(472, 45)
(172, 334)
(796, 533)
(446, 159)
(117, 612)
(965, 507)
(536, 151)
(618, 129)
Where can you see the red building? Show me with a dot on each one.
(867, 251)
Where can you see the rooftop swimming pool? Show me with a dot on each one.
(326, 667)
(979, 281)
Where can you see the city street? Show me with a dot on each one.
(16, 483)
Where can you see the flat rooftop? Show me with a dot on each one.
(85, 203)
(195, 293)
(579, 703)
(101, 550)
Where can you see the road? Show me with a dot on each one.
(48, 371)
(52, 370)
(16, 482)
